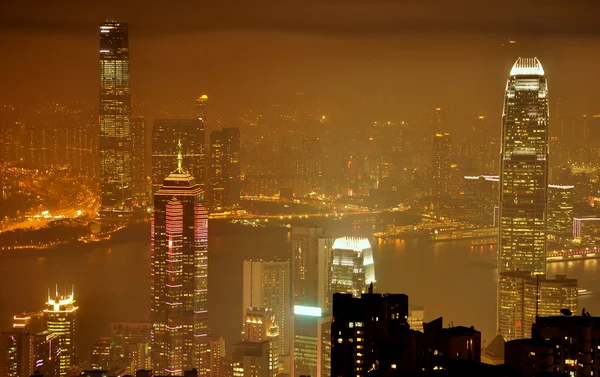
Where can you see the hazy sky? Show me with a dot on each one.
(388, 58)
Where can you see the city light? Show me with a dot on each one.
(309, 311)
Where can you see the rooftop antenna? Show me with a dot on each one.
(56, 290)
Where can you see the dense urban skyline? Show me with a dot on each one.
(347, 155)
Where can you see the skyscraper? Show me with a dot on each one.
(442, 150)
(267, 284)
(224, 169)
(17, 347)
(179, 276)
(257, 355)
(524, 169)
(560, 210)
(139, 147)
(311, 267)
(167, 134)
(60, 317)
(115, 113)
(524, 297)
(352, 268)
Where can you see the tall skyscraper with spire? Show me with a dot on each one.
(115, 113)
(179, 276)
(523, 196)
(524, 169)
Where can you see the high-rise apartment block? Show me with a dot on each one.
(171, 137)
(224, 169)
(115, 113)
(179, 276)
(267, 284)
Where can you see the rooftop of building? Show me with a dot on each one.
(527, 67)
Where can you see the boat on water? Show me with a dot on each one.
(486, 242)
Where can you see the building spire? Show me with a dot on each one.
(179, 157)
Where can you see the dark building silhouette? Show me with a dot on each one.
(371, 336)
(568, 346)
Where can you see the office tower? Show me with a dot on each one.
(46, 353)
(216, 351)
(201, 108)
(559, 345)
(352, 267)
(267, 284)
(310, 347)
(258, 352)
(523, 297)
(167, 134)
(224, 169)
(437, 122)
(103, 357)
(17, 347)
(524, 169)
(311, 267)
(523, 193)
(560, 211)
(115, 113)
(370, 336)
(139, 150)
(61, 318)
(442, 151)
(416, 315)
(179, 276)
(480, 198)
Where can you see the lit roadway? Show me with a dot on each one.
(89, 206)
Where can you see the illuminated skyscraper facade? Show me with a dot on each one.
(560, 211)
(179, 276)
(442, 150)
(224, 169)
(115, 113)
(352, 267)
(523, 297)
(524, 169)
(167, 134)
(267, 284)
(523, 197)
(60, 318)
(311, 267)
